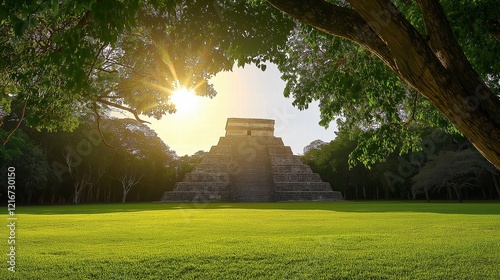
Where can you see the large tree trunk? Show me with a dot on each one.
(434, 65)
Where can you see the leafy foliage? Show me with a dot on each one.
(29, 160)
(442, 165)
(69, 58)
(66, 59)
(355, 89)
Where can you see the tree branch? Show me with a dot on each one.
(98, 121)
(95, 60)
(441, 38)
(136, 115)
(412, 55)
(413, 111)
(338, 21)
(18, 123)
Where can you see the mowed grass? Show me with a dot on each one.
(349, 240)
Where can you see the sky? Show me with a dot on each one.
(243, 93)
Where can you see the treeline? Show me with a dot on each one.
(122, 161)
(125, 161)
(448, 168)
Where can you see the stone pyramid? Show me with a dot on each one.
(249, 164)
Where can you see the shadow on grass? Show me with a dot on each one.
(478, 208)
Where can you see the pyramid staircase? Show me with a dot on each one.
(245, 168)
(249, 164)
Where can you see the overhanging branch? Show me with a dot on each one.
(336, 20)
(441, 38)
(136, 115)
(98, 123)
(412, 56)
(18, 123)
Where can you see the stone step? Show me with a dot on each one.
(302, 186)
(214, 159)
(206, 177)
(201, 187)
(279, 150)
(219, 153)
(213, 167)
(296, 177)
(251, 184)
(308, 196)
(251, 169)
(285, 160)
(291, 168)
(220, 150)
(195, 196)
(254, 168)
(254, 141)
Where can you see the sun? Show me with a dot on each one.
(185, 100)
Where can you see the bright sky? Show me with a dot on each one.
(245, 93)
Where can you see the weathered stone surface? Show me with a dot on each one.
(249, 164)
(290, 168)
(206, 177)
(279, 150)
(296, 177)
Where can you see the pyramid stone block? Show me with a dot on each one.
(250, 164)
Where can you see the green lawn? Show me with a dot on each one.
(350, 240)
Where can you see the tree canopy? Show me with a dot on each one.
(66, 59)
(404, 63)
(455, 169)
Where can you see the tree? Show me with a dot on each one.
(86, 169)
(316, 144)
(140, 158)
(431, 61)
(79, 180)
(330, 161)
(29, 161)
(128, 180)
(455, 169)
(88, 55)
(67, 59)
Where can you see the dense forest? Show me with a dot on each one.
(397, 77)
(448, 168)
(127, 162)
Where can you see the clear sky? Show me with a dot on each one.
(247, 93)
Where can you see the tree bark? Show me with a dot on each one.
(437, 68)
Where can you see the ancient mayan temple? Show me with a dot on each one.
(251, 165)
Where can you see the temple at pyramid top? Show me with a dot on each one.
(255, 127)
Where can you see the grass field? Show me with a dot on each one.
(351, 240)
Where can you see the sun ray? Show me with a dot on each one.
(165, 56)
(198, 84)
(185, 100)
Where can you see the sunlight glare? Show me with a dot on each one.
(185, 100)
